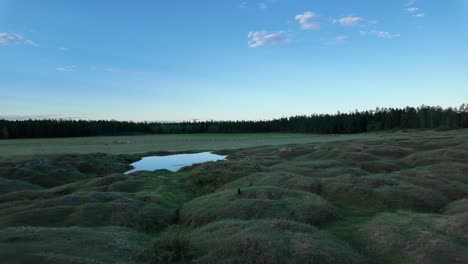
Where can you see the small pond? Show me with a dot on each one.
(173, 162)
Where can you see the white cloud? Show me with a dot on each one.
(12, 38)
(412, 9)
(63, 49)
(36, 117)
(266, 38)
(379, 34)
(308, 20)
(349, 21)
(341, 38)
(70, 68)
(244, 5)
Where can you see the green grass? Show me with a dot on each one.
(405, 237)
(256, 241)
(147, 202)
(155, 143)
(56, 170)
(36, 245)
(258, 203)
(370, 198)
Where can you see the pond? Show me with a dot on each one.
(173, 162)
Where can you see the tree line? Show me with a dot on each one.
(380, 119)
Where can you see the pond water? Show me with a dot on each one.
(173, 162)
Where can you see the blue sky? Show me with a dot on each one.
(228, 59)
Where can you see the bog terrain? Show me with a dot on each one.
(381, 198)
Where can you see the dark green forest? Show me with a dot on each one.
(380, 119)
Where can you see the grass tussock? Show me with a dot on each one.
(206, 178)
(391, 198)
(255, 241)
(58, 170)
(258, 203)
(36, 245)
(405, 237)
(144, 202)
(279, 179)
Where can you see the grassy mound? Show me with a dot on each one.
(90, 209)
(146, 202)
(207, 177)
(280, 179)
(457, 207)
(424, 158)
(444, 178)
(23, 245)
(7, 186)
(58, 170)
(381, 192)
(257, 203)
(257, 241)
(389, 151)
(380, 166)
(318, 168)
(410, 238)
(454, 225)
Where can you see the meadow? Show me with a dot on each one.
(152, 143)
(385, 197)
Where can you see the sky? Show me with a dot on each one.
(174, 60)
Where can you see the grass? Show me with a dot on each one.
(255, 241)
(146, 202)
(372, 198)
(257, 203)
(51, 171)
(24, 245)
(154, 143)
(406, 237)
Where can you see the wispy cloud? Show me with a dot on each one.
(244, 5)
(13, 38)
(341, 38)
(267, 38)
(411, 2)
(63, 49)
(308, 20)
(349, 21)
(414, 11)
(36, 117)
(70, 68)
(379, 34)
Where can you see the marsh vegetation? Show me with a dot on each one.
(386, 198)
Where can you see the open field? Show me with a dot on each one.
(186, 142)
(154, 143)
(366, 198)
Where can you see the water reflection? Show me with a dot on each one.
(173, 162)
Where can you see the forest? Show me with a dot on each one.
(380, 119)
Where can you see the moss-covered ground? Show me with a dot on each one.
(392, 198)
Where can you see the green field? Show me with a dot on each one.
(397, 197)
(154, 143)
